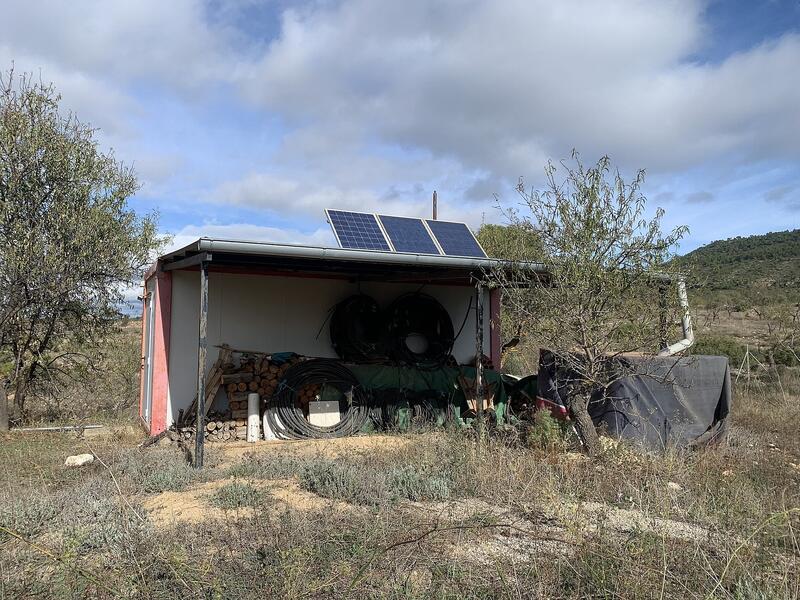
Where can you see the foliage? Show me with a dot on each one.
(518, 241)
(546, 432)
(719, 345)
(68, 240)
(600, 296)
(757, 269)
(236, 495)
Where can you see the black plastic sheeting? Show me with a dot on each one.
(680, 402)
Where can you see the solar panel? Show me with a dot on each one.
(456, 239)
(408, 235)
(357, 230)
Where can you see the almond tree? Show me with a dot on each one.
(69, 243)
(604, 295)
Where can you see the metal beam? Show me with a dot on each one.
(202, 350)
(479, 399)
(189, 261)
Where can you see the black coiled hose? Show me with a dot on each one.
(419, 315)
(288, 421)
(357, 330)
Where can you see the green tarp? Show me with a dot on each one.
(443, 381)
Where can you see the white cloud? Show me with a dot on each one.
(255, 233)
(148, 39)
(501, 86)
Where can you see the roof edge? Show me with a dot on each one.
(374, 256)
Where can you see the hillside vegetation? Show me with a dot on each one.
(750, 270)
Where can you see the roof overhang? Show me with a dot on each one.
(364, 265)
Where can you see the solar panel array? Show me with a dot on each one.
(357, 230)
(456, 239)
(408, 235)
(365, 231)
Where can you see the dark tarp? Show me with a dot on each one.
(679, 402)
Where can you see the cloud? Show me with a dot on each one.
(502, 86)
(787, 196)
(172, 42)
(245, 231)
(699, 197)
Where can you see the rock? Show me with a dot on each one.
(674, 486)
(78, 460)
(727, 473)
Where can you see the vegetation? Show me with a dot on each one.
(747, 272)
(600, 295)
(68, 240)
(517, 520)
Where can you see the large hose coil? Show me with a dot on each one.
(419, 331)
(357, 330)
(286, 418)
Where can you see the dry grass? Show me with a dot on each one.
(434, 515)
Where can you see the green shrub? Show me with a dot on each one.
(29, 516)
(717, 345)
(233, 496)
(272, 466)
(546, 432)
(159, 470)
(341, 480)
(413, 484)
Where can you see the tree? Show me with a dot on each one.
(603, 295)
(69, 244)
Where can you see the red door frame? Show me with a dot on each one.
(162, 296)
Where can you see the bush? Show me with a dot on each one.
(340, 480)
(717, 345)
(546, 433)
(159, 470)
(237, 495)
(272, 466)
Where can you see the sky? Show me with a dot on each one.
(244, 119)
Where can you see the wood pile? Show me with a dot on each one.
(307, 393)
(240, 373)
(218, 430)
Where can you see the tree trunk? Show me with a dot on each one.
(579, 413)
(4, 409)
(19, 395)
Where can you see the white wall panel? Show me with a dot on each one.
(277, 314)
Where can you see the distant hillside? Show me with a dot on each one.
(767, 266)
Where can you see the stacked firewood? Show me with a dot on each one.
(253, 374)
(241, 374)
(218, 430)
(307, 393)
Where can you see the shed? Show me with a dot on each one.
(269, 298)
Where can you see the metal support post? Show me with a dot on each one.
(479, 399)
(202, 350)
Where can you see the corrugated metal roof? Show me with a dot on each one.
(318, 253)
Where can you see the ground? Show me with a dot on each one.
(433, 514)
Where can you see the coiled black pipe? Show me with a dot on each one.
(419, 315)
(287, 420)
(357, 330)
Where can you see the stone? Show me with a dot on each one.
(674, 486)
(79, 460)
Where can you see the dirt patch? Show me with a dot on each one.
(193, 505)
(330, 448)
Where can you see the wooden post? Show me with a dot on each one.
(202, 349)
(479, 399)
(663, 332)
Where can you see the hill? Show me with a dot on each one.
(759, 267)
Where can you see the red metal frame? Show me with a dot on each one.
(161, 331)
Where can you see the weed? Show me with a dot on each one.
(236, 495)
(159, 470)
